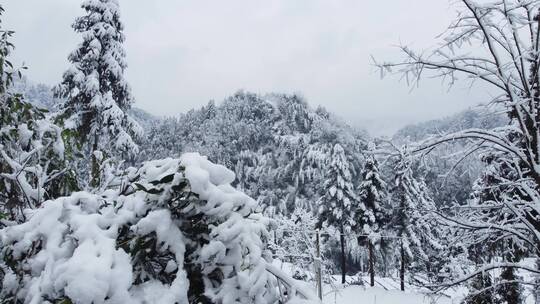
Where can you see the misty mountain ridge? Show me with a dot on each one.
(41, 95)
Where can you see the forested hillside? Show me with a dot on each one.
(450, 170)
(281, 149)
(277, 145)
(279, 142)
(480, 118)
(264, 198)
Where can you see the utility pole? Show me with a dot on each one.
(371, 263)
(318, 273)
(402, 270)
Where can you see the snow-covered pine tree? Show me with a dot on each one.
(411, 219)
(97, 96)
(368, 215)
(337, 205)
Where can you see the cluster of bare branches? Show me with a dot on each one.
(497, 43)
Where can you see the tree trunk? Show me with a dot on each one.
(343, 266)
(537, 284)
(510, 292)
(94, 178)
(402, 269)
(371, 264)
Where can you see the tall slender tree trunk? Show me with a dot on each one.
(510, 292)
(371, 263)
(94, 169)
(343, 264)
(382, 245)
(537, 284)
(402, 269)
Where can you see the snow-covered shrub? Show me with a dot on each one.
(32, 151)
(173, 231)
(32, 158)
(294, 242)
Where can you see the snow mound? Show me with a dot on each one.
(174, 231)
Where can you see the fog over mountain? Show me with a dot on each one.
(183, 54)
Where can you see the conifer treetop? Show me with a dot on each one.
(371, 192)
(339, 199)
(96, 92)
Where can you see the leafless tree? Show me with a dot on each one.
(497, 43)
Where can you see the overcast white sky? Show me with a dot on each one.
(182, 53)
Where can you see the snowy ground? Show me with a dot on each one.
(386, 291)
(377, 295)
